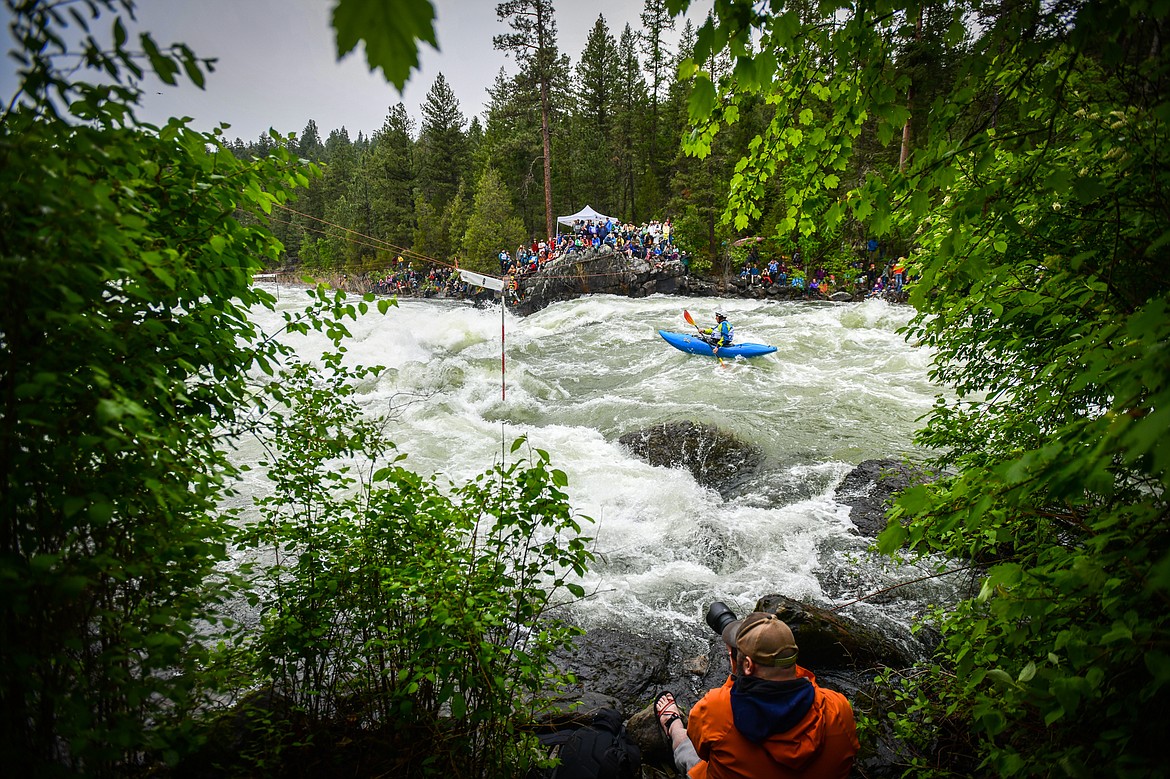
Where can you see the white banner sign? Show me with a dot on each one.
(480, 280)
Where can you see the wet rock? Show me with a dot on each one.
(715, 458)
(573, 707)
(624, 671)
(828, 640)
(621, 665)
(644, 730)
(694, 286)
(617, 669)
(870, 488)
(596, 271)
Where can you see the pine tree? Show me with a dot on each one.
(511, 144)
(632, 124)
(442, 144)
(673, 113)
(700, 184)
(656, 22)
(428, 239)
(264, 144)
(309, 144)
(598, 81)
(455, 217)
(390, 167)
(340, 215)
(534, 43)
(475, 133)
(493, 224)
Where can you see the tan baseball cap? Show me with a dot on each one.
(765, 638)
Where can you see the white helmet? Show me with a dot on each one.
(719, 313)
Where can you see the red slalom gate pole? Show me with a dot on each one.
(503, 390)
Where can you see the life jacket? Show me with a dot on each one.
(723, 333)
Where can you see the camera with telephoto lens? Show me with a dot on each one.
(719, 616)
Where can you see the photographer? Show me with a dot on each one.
(770, 719)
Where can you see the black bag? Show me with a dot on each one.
(594, 747)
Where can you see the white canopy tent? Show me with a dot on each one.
(586, 214)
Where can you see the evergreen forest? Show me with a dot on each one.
(1013, 150)
(451, 187)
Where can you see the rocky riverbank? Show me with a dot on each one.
(603, 271)
(623, 671)
(599, 271)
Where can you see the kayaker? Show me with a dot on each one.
(723, 332)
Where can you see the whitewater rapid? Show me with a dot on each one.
(461, 383)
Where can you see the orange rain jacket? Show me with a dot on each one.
(821, 745)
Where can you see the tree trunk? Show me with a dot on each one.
(907, 133)
(547, 139)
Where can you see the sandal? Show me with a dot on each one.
(662, 703)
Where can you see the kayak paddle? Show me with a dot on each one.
(714, 349)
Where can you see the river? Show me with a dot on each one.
(842, 387)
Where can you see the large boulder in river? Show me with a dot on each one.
(715, 458)
(869, 490)
(828, 640)
(596, 271)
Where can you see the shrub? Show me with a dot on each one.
(392, 602)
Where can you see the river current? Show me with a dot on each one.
(843, 387)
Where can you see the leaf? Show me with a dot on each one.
(705, 40)
(1001, 677)
(163, 66)
(191, 67)
(785, 27)
(914, 499)
(702, 99)
(391, 46)
(1119, 631)
(1158, 664)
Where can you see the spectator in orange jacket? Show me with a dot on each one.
(768, 720)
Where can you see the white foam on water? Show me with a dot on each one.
(842, 387)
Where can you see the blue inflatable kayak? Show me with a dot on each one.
(693, 344)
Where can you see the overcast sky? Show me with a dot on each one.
(277, 64)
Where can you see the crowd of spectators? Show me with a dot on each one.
(888, 281)
(651, 242)
(405, 280)
(871, 276)
(787, 271)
